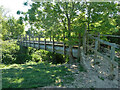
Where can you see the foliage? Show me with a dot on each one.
(12, 53)
(42, 55)
(12, 28)
(65, 20)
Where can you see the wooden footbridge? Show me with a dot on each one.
(90, 43)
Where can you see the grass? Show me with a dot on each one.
(32, 75)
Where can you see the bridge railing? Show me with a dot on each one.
(28, 40)
(95, 46)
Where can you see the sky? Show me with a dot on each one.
(12, 6)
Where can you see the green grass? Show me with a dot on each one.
(32, 75)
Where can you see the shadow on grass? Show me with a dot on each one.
(36, 75)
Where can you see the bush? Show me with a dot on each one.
(12, 53)
(9, 51)
(42, 55)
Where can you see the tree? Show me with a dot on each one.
(69, 19)
(12, 28)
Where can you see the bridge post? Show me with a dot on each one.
(39, 41)
(53, 45)
(33, 42)
(96, 47)
(45, 43)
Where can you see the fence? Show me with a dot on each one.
(96, 45)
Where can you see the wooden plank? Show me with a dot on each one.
(116, 36)
(90, 47)
(104, 56)
(105, 42)
(98, 53)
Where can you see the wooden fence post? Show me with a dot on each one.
(112, 57)
(45, 43)
(53, 45)
(33, 41)
(96, 48)
(39, 41)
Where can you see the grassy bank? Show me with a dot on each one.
(32, 74)
(31, 68)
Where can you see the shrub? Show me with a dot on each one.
(9, 52)
(42, 55)
(12, 53)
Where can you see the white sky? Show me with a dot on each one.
(12, 6)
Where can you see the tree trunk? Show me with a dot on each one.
(71, 60)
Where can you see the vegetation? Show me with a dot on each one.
(27, 67)
(15, 54)
(66, 21)
(12, 28)
(20, 66)
(33, 75)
